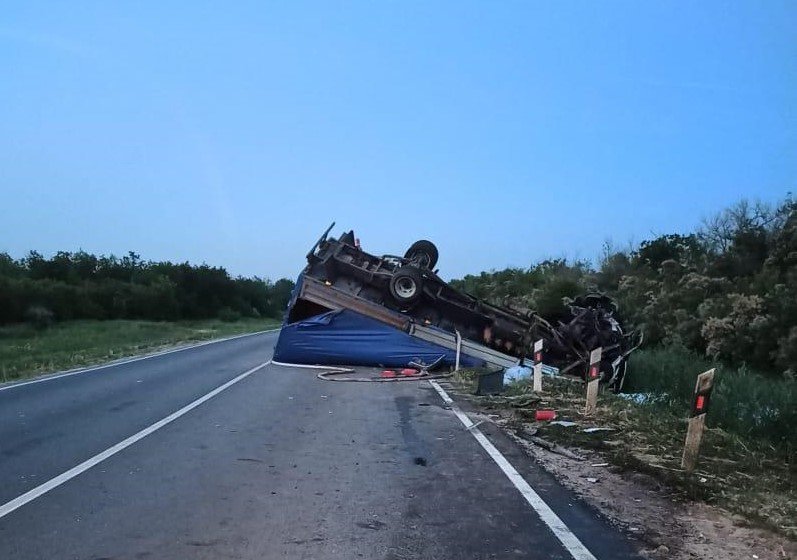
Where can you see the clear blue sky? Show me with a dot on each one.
(235, 132)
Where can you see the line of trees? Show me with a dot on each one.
(727, 291)
(84, 286)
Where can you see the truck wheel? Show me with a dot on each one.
(406, 285)
(424, 253)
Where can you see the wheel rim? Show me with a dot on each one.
(423, 259)
(406, 288)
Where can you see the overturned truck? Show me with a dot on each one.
(352, 307)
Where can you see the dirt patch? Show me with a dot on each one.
(669, 527)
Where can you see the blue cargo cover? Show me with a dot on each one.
(345, 337)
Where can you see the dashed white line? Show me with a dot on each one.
(562, 532)
(42, 489)
(68, 373)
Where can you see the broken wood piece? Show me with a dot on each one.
(554, 448)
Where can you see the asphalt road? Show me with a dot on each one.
(279, 464)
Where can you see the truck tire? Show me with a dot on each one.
(406, 285)
(424, 253)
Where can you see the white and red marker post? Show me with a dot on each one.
(697, 422)
(593, 379)
(538, 366)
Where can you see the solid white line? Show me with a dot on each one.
(31, 495)
(71, 372)
(562, 532)
(310, 366)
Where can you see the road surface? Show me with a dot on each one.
(212, 452)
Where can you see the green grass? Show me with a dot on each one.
(26, 352)
(744, 402)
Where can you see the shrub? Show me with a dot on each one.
(229, 315)
(39, 317)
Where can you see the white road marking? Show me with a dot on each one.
(562, 532)
(310, 366)
(42, 489)
(68, 373)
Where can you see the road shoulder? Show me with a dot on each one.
(661, 523)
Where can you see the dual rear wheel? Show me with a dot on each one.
(406, 284)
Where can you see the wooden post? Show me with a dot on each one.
(538, 366)
(593, 379)
(697, 423)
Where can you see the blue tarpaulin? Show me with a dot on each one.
(344, 337)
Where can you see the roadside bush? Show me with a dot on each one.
(229, 315)
(39, 317)
(744, 402)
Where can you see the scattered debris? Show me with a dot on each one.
(516, 373)
(491, 382)
(544, 415)
(365, 375)
(597, 429)
(643, 398)
(474, 425)
(564, 423)
(529, 435)
(515, 401)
